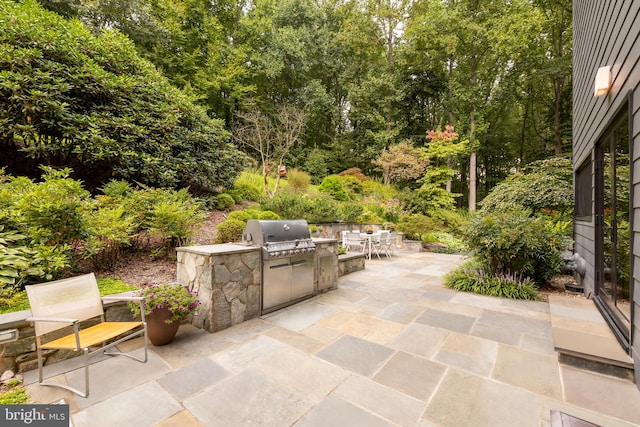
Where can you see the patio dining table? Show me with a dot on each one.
(369, 241)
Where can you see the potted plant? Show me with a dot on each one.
(166, 306)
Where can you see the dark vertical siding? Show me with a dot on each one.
(607, 33)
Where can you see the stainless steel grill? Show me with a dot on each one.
(288, 255)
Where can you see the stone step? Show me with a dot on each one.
(583, 339)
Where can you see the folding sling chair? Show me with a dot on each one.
(56, 305)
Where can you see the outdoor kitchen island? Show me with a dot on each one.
(228, 279)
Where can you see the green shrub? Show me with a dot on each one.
(352, 185)
(332, 185)
(12, 299)
(542, 185)
(452, 243)
(174, 216)
(368, 216)
(51, 211)
(118, 190)
(471, 277)
(316, 165)
(229, 230)
(225, 202)
(452, 220)
(415, 225)
(108, 231)
(323, 209)
(349, 211)
(237, 196)
(515, 242)
(243, 216)
(16, 394)
(289, 205)
(250, 186)
(267, 215)
(298, 180)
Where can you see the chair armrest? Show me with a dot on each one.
(51, 319)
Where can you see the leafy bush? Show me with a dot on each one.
(415, 225)
(515, 242)
(453, 244)
(267, 215)
(542, 185)
(352, 185)
(471, 277)
(225, 202)
(349, 211)
(174, 217)
(289, 205)
(250, 186)
(452, 220)
(229, 230)
(91, 100)
(332, 185)
(16, 394)
(323, 209)
(316, 165)
(237, 196)
(243, 216)
(368, 216)
(51, 211)
(108, 231)
(15, 260)
(298, 180)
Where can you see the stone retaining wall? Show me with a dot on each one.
(350, 262)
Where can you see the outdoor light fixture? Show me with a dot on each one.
(603, 81)
(8, 336)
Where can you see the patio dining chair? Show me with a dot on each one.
(63, 303)
(385, 244)
(355, 242)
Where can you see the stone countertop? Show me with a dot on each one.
(324, 240)
(218, 249)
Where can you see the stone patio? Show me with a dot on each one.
(390, 347)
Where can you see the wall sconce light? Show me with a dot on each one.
(603, 81)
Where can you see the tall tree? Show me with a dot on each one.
(481, 54)
(270, 139)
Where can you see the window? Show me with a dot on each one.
(583, 192)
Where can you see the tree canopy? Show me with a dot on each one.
(368, 74)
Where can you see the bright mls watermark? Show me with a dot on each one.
(34, 415)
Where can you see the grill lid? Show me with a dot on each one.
(262, 232)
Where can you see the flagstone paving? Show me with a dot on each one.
(390, 347)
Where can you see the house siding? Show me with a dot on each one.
(607, 33)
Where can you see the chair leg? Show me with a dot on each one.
(40, 363)
(86, 356)
(66, 387)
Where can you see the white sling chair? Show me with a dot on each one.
(56, 305)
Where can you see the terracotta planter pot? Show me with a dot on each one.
(161, 333)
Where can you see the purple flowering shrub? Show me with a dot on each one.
(181, 301)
